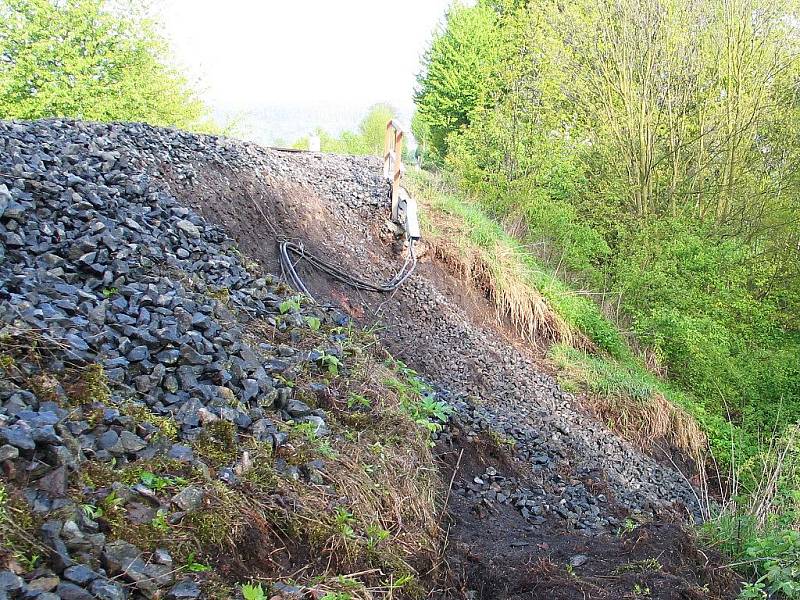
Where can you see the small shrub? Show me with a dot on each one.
(337, 596)
(253, 592)
(292, 304)
(358, 401)
(344, 521)
(417, 398)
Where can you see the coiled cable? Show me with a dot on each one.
(287, 250)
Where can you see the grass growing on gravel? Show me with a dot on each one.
(365, 525)
(368, 526)
(588, 349)
(539, 304)
(632, 401)
(757, 525)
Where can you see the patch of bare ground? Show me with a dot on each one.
(492, 553)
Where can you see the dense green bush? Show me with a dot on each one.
(692, 300)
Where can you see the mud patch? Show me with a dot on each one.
(493, 553)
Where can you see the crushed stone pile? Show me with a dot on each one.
(339, 205)
(102, 271)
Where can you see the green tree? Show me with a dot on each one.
(646, 149)
(89, 60)
(457, 72)
(372, 129)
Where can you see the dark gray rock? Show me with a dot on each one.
(8, 452)
(578, 560)
(118, 555)
(186, 588)
(162, 557)
(9, 582)
(18, 436)
(130, 442)
(42, 584)
(80, 574)
(5, 199)
(188, 227)
(188, 499)
(181, 453)
(54, 483)
(138, 354)
(193, 357)
(108, 440)
(70, 591)
(297, 408)
(104, 589)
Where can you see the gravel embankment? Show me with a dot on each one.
(112, 253)
(100, 266)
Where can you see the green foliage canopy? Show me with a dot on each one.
(90, 60)
(458, 72)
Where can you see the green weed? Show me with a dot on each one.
(344, 521)
(159, 522)
(253, 592)
(329, 361)
(193, 566)
(293, 304)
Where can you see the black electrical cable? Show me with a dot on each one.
(288, 267)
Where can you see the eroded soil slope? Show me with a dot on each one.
(566, 508)
(544, 501)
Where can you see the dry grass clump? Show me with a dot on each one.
(516, 300)
(376, 509)
(646, 423)
(498, 272)
(478, 251)
(631, 403)
(368, 525)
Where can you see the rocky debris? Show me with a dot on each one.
(420, 323)
(151, 303)
(148, 305)
(584, 499)
(183, 590)
(521, 404)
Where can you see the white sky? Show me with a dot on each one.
(286, 63)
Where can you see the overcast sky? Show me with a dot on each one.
(286, 63)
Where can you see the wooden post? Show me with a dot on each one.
(398, 172)
(393, 161)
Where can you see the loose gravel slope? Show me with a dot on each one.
(544, 500)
